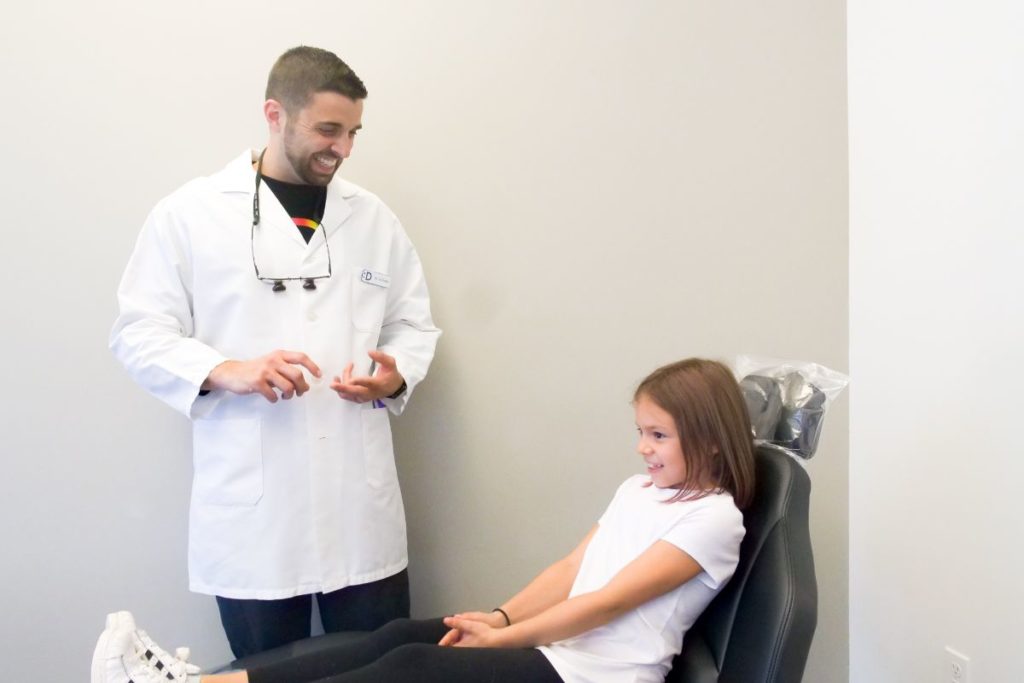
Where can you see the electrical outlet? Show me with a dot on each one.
(955, 667)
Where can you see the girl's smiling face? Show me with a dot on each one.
(659, 444)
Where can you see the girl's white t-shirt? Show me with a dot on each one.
(638, 646)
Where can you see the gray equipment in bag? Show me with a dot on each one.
(763, 396)
(803, 410)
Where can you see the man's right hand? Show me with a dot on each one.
(277, 371)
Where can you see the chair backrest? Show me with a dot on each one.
(759, 628)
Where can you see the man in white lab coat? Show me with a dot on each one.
(284, 310)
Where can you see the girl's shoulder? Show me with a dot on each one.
(639, 486)
(634, 481)
(637, 507)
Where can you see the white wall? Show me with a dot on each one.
(936, 247)
(595, 188)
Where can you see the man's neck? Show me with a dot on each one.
(277, 167)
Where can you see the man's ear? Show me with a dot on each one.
(275, 114)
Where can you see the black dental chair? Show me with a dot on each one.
(759, 628)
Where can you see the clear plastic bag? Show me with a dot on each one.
(787, 400)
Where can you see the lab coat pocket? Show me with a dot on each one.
(228, 462)
(378, 452)
(369, 297)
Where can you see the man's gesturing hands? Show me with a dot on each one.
(385, 382)
(280, 370)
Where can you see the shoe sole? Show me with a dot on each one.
(116, 621)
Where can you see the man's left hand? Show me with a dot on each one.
(369, 387)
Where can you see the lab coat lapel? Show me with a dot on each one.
(336, 212)
(239, 177)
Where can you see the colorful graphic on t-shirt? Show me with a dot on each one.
(307, 227)
(306, 223)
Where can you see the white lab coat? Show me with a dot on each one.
(298, 496)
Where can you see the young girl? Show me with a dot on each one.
(614, 609)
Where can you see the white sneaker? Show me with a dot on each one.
(124, 655)
(109, 644)
(178, 665)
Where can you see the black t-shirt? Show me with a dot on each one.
(304, 203)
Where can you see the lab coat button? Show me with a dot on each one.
(311, 316)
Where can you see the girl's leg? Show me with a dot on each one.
(427, 663)
(349, 655)
(400, 651)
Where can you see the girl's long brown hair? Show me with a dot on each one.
(710, 415)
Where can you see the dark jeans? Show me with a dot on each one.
(405, 651)
(256, 625)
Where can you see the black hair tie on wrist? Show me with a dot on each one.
(508, 622)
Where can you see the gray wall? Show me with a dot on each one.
(595, 188)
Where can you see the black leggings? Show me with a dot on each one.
(407, 650)
(253, 626)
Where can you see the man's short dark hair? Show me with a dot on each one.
(303, 71)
